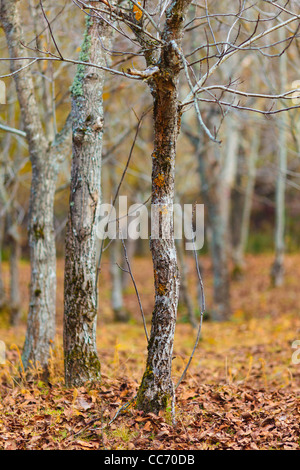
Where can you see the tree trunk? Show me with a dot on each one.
(242, 196)
(157, 387)
(2, 291)
(277, 270)
(184, 288)
(80, 317)
(217, 172)
(217, 168)
(15, 255)
(3, 209)
(41, 316)
(117, 302)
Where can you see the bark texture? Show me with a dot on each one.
(80, 317)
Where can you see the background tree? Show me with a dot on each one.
(277, 271)
(44, 156)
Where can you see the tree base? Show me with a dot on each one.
(151, 398)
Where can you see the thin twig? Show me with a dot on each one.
(136, 289)
(202, 310)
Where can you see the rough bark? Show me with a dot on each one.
(80, 317)
(157, 387)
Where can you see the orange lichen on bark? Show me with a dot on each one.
(159, 180)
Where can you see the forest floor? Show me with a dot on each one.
(241, 391)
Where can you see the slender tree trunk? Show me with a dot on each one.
(15, 255)
(277, 270)
(217, 168)
(242, 196)
(184, 288)
(2, 291)
(115, 253)
(157, 387)
(217, 172)
(117, 301)
(42, 308)
(41, 317)
(3, 208)
(80, 318)
(219, 252)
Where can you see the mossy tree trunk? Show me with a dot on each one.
(80, 310)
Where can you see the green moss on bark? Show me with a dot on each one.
(77, 87)
(159, 401)
(82, 367)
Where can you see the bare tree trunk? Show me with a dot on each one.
(242, 196)
(219, 252)
(5, 201)
(116, 255)
(15, 255)
(44, 160)
(217, 170)
(157, 387)
(277, 270)
(80, 318)
(117, 302)
(2, 291)
(3, 209)
(184, 288)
